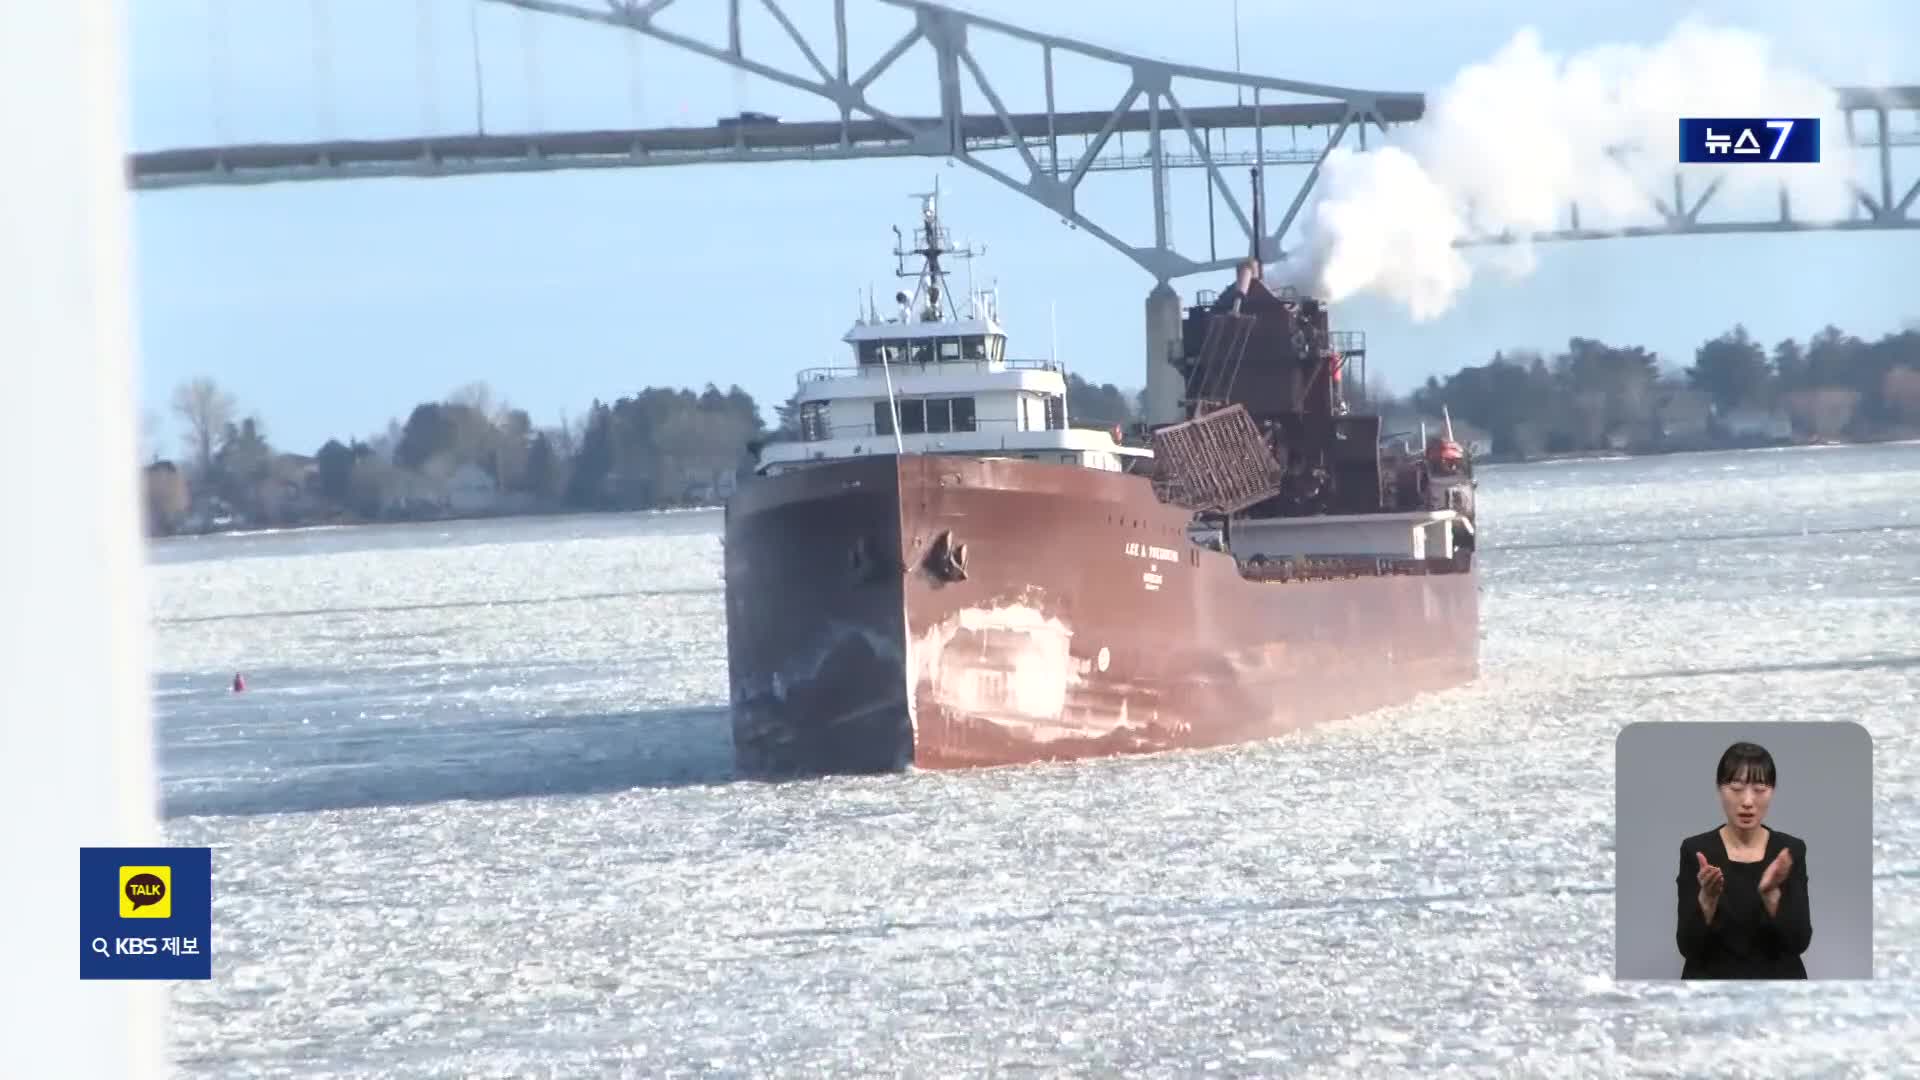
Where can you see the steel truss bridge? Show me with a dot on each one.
(1055, 149)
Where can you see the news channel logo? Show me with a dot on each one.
(146, 913)
(1776, 140)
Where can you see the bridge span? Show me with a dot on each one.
(1044, 155)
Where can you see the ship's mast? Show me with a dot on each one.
(930, 280)
(1258, 216)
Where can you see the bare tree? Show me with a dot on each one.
(383, 444)
(476, 394)
(207, 410)
(1901, 388)
(1823, 412)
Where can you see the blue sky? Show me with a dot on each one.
(329, 308)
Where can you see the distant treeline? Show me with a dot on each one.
(469, 456)
(1596, 397)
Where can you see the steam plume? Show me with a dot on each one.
(1513, 141)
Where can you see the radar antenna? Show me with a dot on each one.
(932, 243)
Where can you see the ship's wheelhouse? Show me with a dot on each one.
(935, 378)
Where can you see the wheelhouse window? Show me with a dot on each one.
(913, 417)
(950, 414)
(971, 347)
(871, 352)
(926, 416)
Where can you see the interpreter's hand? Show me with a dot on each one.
(1774, 878)
(1712, 881)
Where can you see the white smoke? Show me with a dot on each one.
(1511, 143)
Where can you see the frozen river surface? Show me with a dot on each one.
(474, 817)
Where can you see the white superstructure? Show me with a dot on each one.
(934, 378)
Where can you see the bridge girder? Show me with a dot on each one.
(1055, 183)
(865, 130)
(465, 155)
(945, 31)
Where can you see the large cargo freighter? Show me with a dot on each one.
(939, 571)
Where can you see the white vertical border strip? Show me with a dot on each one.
(76, 740)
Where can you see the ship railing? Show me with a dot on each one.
(1352, 347)
(928, 367)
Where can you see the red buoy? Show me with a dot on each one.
(239, 683)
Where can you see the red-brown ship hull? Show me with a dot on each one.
(947, 611)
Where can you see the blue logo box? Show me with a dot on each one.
(146, 913)
(1779, 140)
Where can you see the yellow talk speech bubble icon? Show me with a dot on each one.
(146, 892)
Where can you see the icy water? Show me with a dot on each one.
(473, 818)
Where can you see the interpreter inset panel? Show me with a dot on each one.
(1743, 851)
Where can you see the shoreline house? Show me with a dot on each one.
(471, 489)
(1750, 424)
(1685, 420)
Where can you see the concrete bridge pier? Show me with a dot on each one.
(1165, 387)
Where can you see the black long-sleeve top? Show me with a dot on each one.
(1743, 941)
